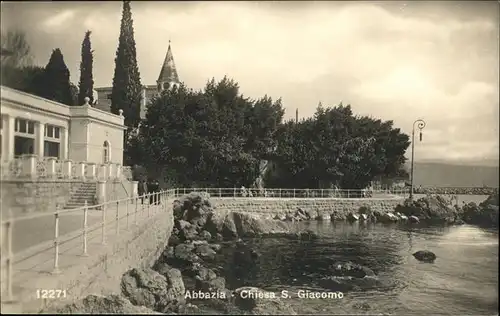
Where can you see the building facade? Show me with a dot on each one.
(31, 125)
(167, 79)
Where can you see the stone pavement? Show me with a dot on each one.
(34, 269)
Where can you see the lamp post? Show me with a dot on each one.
(420, 124)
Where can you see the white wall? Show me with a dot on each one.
(99, 132)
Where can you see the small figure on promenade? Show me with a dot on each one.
(243, 191)
(142, 189)
(154, 188)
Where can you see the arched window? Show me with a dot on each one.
(106, 152)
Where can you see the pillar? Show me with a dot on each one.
(50, 165)
(66, 168)
(110, 170)
(101, 192)
(80, 170)
(28, 169)
(91, 171)
(101, 172)
(64, 143)
(118, 171)
(39, 139)
(8, 135)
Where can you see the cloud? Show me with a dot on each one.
(58, 20)
(437, 61)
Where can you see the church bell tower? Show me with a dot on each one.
(168, 77)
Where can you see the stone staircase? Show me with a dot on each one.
(86, 192)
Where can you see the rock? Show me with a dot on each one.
(182, 224)
(218, 237)
(184, 254)
(352, 217)
(413, 219)
(112, 304)
(146, 287)
(261, 302)
(215, 247)
(174, 240)
(388, 218)
(204, 251)
(351, 270)
(178, 209)
(432, 208)
(188, 309)
(205, 273)
(322, 215)
(210, 285)
(425, 256)
(204, 235)
(222, 223)
(337, 216)
(306, 235)
(486, 214)
(188, 233)
(162, 268)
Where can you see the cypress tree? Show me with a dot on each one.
(86, 84)
(126, 91)
(56, 79)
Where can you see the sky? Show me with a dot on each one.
(399, 61)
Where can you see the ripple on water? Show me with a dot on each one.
(463, 280)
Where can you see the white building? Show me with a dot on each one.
(41, 127)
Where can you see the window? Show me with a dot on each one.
(51, 149)
(52, 131)
(24, 137)
(23, 146)
(106, 152)
(51, 145)
(24, 126)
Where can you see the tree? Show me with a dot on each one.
(15, 42)
(86, 84)
(336, 147)
(214, 138)
(57, 86)
(126, 91)
(28, 79)
(17, 70)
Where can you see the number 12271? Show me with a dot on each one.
(50, 293)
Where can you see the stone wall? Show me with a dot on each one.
(272, 207)
(22, 197)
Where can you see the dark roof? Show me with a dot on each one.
(168, 72)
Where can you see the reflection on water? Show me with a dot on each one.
(463, 280)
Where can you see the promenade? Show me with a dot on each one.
(33, 269)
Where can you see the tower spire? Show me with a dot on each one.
(168, 75)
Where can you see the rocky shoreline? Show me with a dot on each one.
(181, 282)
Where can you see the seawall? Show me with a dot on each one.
(325, 207)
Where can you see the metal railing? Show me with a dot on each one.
(294, 193)
(126, 209)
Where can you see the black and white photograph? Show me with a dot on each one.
(249, 157)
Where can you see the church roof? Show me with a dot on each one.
(168, 71)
